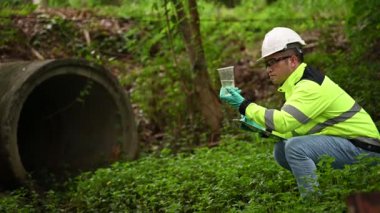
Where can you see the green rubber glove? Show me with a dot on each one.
(231, 96)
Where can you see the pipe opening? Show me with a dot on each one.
(68, 122)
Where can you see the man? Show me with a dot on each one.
(318, 118)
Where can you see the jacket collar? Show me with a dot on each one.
(292, 79)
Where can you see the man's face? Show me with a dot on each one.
(279, 67)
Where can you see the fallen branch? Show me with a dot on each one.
(37, 54)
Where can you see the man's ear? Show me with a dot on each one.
(293, 62)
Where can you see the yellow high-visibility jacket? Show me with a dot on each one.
(314, 105)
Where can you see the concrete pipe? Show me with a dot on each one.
(59, 116)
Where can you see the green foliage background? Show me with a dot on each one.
(239, 175)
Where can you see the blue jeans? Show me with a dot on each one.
(301, 154)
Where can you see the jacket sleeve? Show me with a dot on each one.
(305, 103)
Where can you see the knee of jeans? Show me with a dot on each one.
(293, 146)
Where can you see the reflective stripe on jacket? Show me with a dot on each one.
(314, 105)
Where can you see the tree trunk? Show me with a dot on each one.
(207, 101)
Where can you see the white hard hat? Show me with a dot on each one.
(278, 39)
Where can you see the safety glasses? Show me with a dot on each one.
(274, 61)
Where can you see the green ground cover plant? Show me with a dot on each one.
(237, 176)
